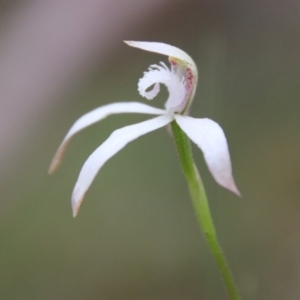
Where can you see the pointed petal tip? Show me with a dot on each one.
(229, 184)
(75, 213)
(77, 200)
(131, 43)
(58, 156)
(53, 166)
(233, 188)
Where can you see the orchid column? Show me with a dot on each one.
(181, 82)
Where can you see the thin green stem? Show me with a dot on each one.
(201, 206)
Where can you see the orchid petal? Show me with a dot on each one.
(97, 115)
(210, 138)
(162, 74)
(116, 141)
(164, 49)
(182, 65)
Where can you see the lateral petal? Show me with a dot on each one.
(97, 115)
(115, 142)
(210, 138)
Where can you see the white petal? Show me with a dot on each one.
(116, 141)
(149, 94)
(99, 114)
(162, 74)
(182, 64)
(164, 49)
(210, 138)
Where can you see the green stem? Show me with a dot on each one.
(201, 206)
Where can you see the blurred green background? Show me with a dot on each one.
(136, 236)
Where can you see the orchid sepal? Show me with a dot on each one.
(97, 115)
(115, 142)
(210, 138)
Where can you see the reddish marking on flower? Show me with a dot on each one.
(190, 78)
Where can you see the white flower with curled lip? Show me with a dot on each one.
(181, 81)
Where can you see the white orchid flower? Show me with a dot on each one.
(181, 81)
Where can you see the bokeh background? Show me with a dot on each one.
(136, 236)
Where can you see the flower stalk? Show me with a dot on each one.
(201, 206)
